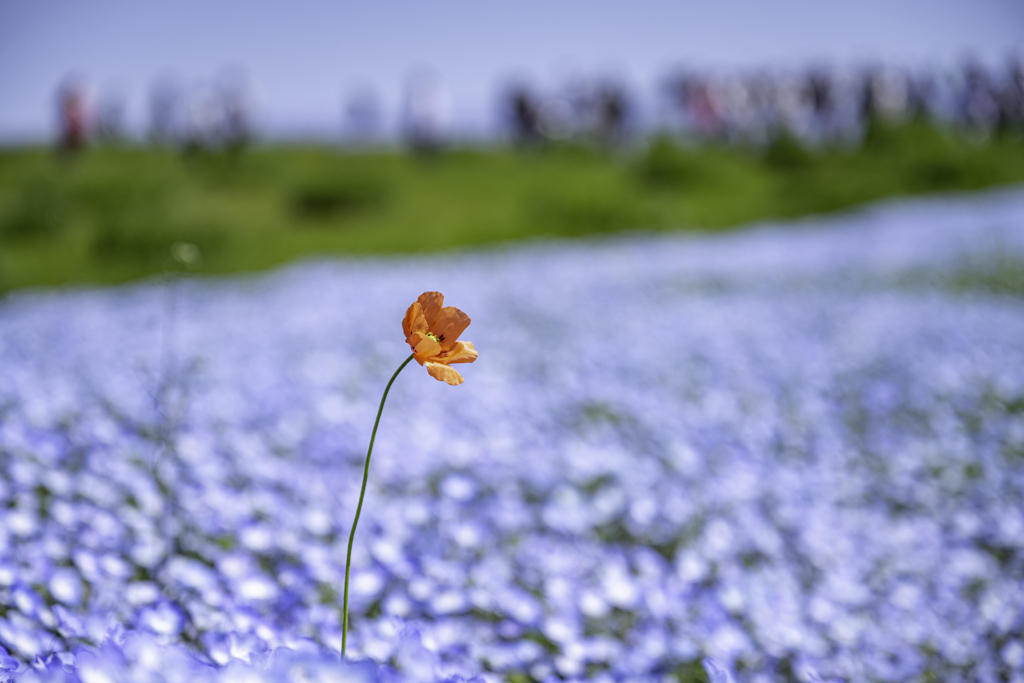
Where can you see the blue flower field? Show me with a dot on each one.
(796, 451)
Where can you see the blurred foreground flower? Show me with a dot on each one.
(432, 331)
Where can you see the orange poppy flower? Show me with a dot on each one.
(432, 332)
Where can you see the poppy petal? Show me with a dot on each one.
(414, 322)
(462, 352)
(442, 372)
(449, 325)
(431, 303)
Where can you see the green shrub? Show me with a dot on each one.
(665, 165)
(335, 198)
(583, 214)
(786, 152)
(936, 174)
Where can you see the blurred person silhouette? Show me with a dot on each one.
(678, 91)
(795, 111)
(72, 117)
(885, 103)
(1011, 101)
(164, 111)
(703, 110)
(426, 114)
(894, 94)
(559, 119)
(362, 116)
(698, 106)
(676, 94)
(869, 96)
(759, 88)
(979, 108)
(820, 96)
(847, 126)
(739, 109)
(672, 103)
(921, 94)
(944, 96)
(819, 91)
(524, 116)
(579, 102)
(612, 112)
(110, 125)
(231, 118)
(199, 123)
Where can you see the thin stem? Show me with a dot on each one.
(359, 507)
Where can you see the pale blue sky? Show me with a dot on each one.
(303, 57)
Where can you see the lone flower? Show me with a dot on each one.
(432, 332)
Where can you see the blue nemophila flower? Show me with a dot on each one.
(825, 476)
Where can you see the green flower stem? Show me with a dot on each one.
(359, 507)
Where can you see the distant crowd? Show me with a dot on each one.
(815, 106)
(218, 117)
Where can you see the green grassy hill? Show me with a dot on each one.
(113, 213)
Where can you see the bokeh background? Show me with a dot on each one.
(746, 279)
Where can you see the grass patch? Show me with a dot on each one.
(143, 240)
(37, 210)
(112, 214)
